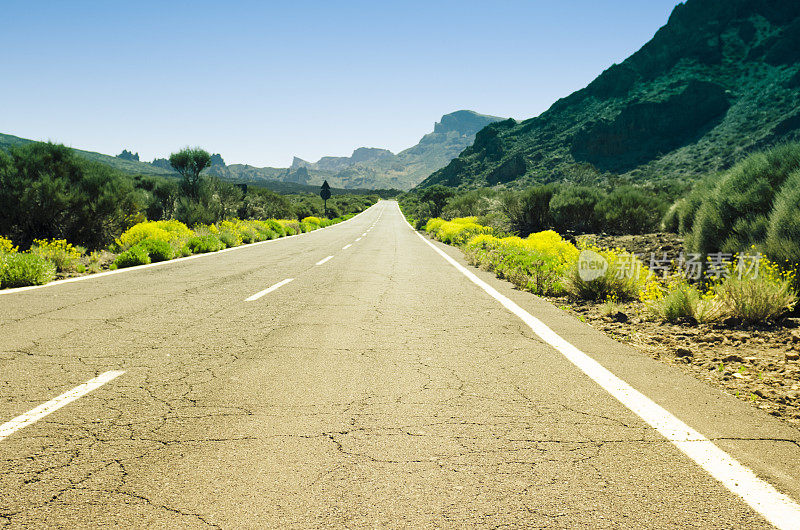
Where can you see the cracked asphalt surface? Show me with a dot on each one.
(381, 388)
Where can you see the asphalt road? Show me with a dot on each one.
(379, 388)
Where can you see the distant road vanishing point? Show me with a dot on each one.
(359, 376)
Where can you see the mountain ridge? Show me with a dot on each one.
(372, 167)
(718, 81)
(365, 168)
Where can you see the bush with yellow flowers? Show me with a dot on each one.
(536, 263)
(173, 232)
(6, 246)
(624, 277)
(753, 293)
(457, 231)
(63, 255)
(751, 289)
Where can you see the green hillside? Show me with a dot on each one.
(127, 166)
(720, 80)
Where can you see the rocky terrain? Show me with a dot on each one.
(758, 365)
(721, 79)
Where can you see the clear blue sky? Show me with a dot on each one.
(260, 82)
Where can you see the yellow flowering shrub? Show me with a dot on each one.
(62, 254)
(173, 232)
(536, 263)
(755, 290)
(456, 232)
(6, 246)
(552, 243)
(291, 226)
(624, 277)
(751, 289)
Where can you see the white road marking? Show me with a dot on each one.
(320, 262)
(268, 290)
(347, 246)
(364, 234)
(34, 415)
(774, 506)
(358, 239)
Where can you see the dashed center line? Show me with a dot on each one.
(34, 415)
(347, 246)
(358, 239)
(268, 290)
(320, 262)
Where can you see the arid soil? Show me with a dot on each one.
(761, 366)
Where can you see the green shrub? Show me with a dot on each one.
(630, 210)
(472, 203)
(734, 215)
(680, 300)
(291, 227)
(307, 227)
(756, 300)
(203, 244)
(157, 249)
(671, 219)
(783, 233)
(572, 209)
(20, 269)
(228, 238)
(436, 198)
(624, 278)
(276, 227)
(136, 255)
(528, 211)
(49, 192)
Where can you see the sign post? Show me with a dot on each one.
(325, 193)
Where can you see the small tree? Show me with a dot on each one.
(438, 196)
(325, 193)
(189, 163)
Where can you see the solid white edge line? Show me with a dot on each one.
(320, 262)
(268, 290)
(776, 507)
(347, 246)
(34, 415)
(167, 262)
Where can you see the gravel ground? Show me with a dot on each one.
(760, 366)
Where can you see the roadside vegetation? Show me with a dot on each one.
(741, 232)
(754, 205)
(61, 215)
(566, 208)
(712, 285)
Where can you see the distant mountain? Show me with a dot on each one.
(721, 79)
(366, 168)
(374, 168)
